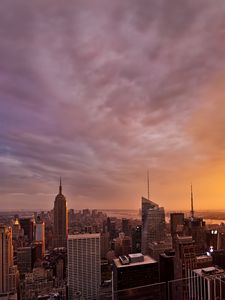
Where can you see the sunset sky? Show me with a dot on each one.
(100, 91)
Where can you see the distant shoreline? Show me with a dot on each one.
(209, 216)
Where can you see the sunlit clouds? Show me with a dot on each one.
(100, 91)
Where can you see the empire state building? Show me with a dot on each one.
(60, 220)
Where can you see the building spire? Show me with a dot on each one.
(192, 203)
(148, 182)
(60, 186)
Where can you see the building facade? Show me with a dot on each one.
(8, 272)
(133, 280)
(153, 226)
(84, 265)
(207, 284)
(25, 259)
(40, 233)
(27, 224)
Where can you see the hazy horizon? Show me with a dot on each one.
(110, 209)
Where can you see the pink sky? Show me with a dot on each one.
(100, 91)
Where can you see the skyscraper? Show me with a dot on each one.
(195, 227)
(153, 224)
(27, 225)
(185, 260)
(146, 204)
(40, 233)
(8, 271)
(16, 229)
(60, 220)
(140, 271)
(25, 259)
(167, 273)
(84, 265)
(176, 220)
(84, 273)
(206, 283)
(136, 239)
(185, 257)
(176, 225)
(125, 226)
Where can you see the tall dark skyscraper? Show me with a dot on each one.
(125, 226)
(195, 227)
(27, 224)
(176, 225)
(146, 204)
(141, 271)
(153, 224)
(176, 220)
(60, 219)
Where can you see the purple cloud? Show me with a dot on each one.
(98, 92)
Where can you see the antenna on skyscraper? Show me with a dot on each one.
(192, 203)
(60, 185)
(148, 182)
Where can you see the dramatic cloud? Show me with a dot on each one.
(99, 91)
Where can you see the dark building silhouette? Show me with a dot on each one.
(125, 226)
(108, 224)
(25, 259)
(153, 224)
(185, 260)
(167, 270)
(218, 257)
(60, 220)
(113, 231)
(104, 244)
(136, 239)
(143, 271)
(37, 246)
(176, 224)
(111, 228)
(204, 261)
(27, 224)
(176, 219)
(195, 227)
(157, 248)
(146, 204)
(122, 244)
(166, 265)
(185, 256)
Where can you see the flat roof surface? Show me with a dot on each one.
(185, 239)
(203, 257)
(83, 236)
(215, 271)
(147, 260)
(135, 255)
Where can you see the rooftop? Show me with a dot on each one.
(210, 271)
(135, 255)
(200, 257)
(149, 202)
(83, 236)
(147, 260)
(184, 239)
(161, 244)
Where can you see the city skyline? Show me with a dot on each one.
(98, 93)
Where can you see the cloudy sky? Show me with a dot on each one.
(100, 91)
